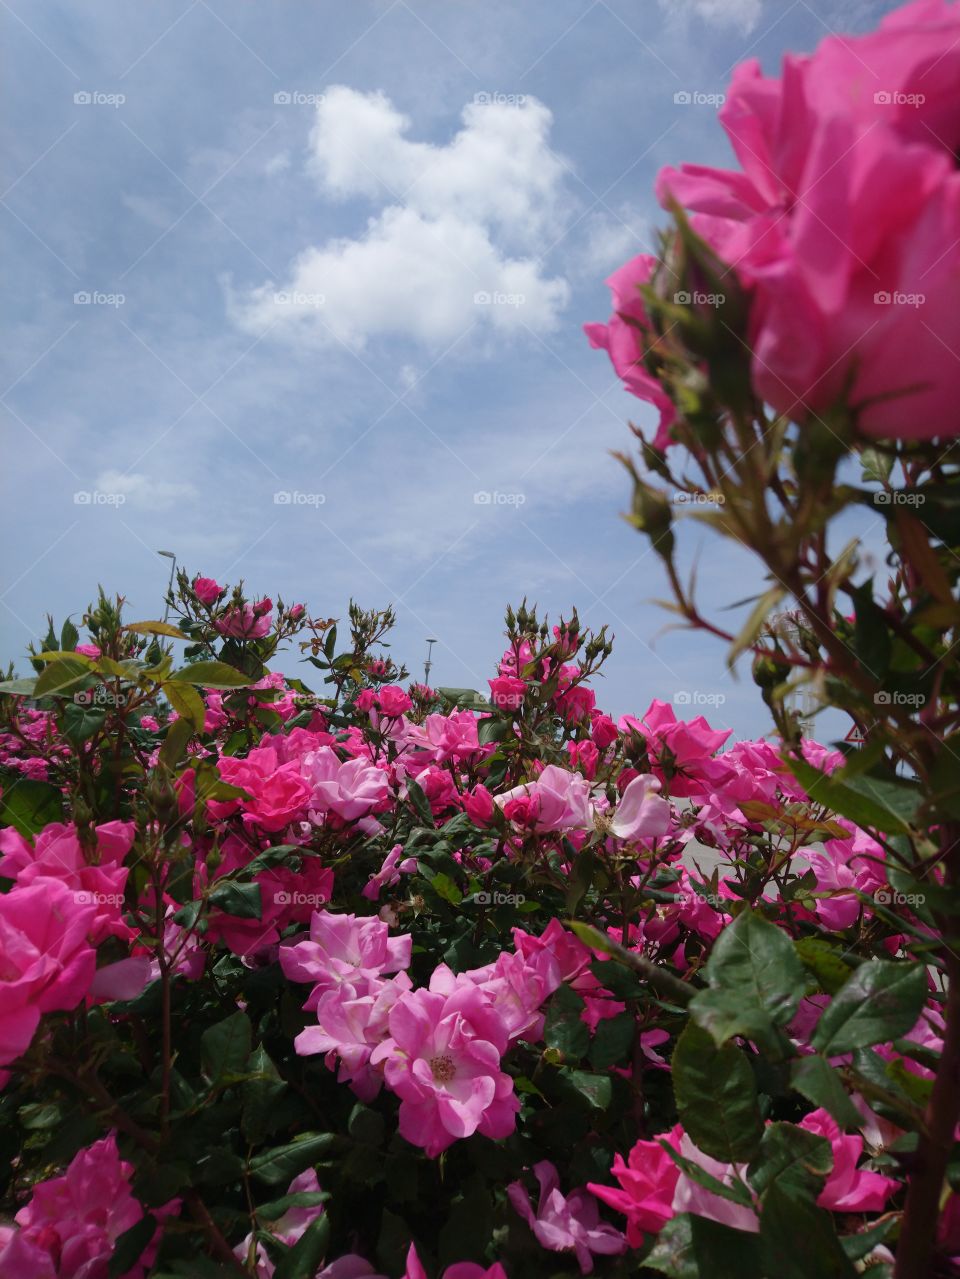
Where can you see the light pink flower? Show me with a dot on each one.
(288, 1229)
(394, 864)
(344, 950)
(350, 790)
(564, 1223)
(459, 1270)
(452, 736)
(562, 798)
(349, 1027)
(641, 813)
(443, 1060)
(246, 621)
(692, 1197)
(507, 692)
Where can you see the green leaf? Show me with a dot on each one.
(304, 1258)
(69, 635)
(612, 1041)
(756, 981)
(225, 1047)
(716, 1096)
(260, 1095)
(420, 803)
(871, 637)
(824, 961)
(275, 1209)
(798, 1240)
(691, 1247)
(279, 1165)
(864, 800)
(62, 677)
(595, 1089)
(242, 900)
(754, 623)
(155, 628)
(564, 1031)
(81, 721)
(129, 1247)
(881, 1001)
(19, 687)
(175, 742)
(814, 1078)
(212, 675)
(795, 1160)
(27, 804)
(186, 701)
(736, 1192)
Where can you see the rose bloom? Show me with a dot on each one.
(843, 222)
(248, 622)
(206, 589)
(506, 692)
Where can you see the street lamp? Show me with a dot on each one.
(169, 555)
(428, 663)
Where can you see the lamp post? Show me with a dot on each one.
(169, 555)
(429, 662)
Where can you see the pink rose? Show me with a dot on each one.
(847, 1189)
(47, 963)
(394, 701)
(620, 338)
(248, 622)
(206, 589)
(506, 692)
(566, 1222)
(844, 223)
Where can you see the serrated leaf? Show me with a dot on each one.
(716, 1096)
(881, 1001)
(814, 1078)
(225, 1047)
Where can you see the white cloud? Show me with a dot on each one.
(452, 242)
(144, 490)
(609, 240)
(743, 14)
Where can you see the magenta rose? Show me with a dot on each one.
(206, 589)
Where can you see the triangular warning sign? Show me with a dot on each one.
(856, 735)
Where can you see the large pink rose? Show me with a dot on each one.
(844, 222)
(46, 962)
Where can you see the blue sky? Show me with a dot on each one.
(287, 217)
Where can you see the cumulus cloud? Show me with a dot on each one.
(743, 14)
(453, 241)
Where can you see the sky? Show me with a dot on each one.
(296, 290)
